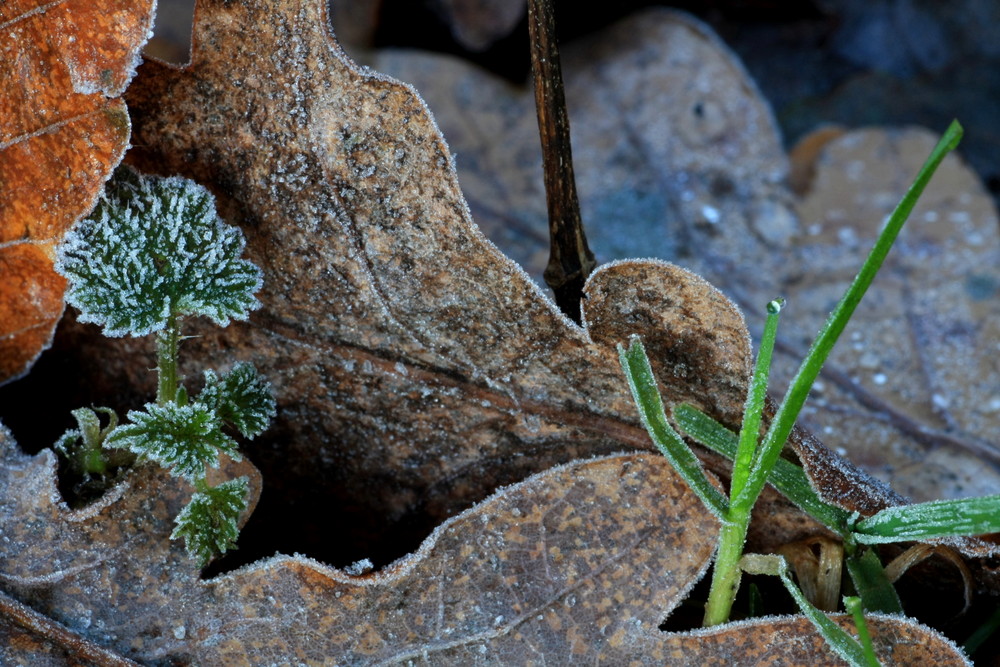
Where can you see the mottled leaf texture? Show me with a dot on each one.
(575, 565)
(63, 128)
(678, 157)
(417, 371)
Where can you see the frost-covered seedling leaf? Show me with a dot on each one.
(208, 523)
(155, 248)
(934, 519)
(241, 398)
(185, 438)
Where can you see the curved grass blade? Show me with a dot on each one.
(642, 383)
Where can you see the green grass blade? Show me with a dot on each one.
(853, 605)
(876, 591)
(843, 644)
(799, 389)
(746, 450)
(938, 518)
(789, 479)
(647, 398)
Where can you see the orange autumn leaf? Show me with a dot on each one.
(63, 129)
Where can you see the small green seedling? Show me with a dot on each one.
(757, 460)
(152, 253)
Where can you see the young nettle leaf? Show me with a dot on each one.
(153, 252)
(155, 249)
(208, 523)
(184, 438)
(242, 398)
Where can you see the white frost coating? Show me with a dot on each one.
(659, 263)
(152, 247)
(759, 621)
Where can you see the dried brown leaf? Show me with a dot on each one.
(63, 128)
(670, 134)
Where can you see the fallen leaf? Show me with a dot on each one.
(677, 154)
(63, 129)
(581, 563)
(678, 157)
(416, 368)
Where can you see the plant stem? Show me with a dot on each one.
(735, 523)
(571, 260)
(726, 571)
(167, 344)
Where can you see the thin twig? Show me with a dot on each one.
(57, 633)
(571, 260)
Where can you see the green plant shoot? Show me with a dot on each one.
(152, 253)
(756, 463)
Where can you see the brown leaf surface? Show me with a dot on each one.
(577, 564)
(416, 367)
(678, 157)
(63, 128)
(417, 370)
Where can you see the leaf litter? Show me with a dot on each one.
(684, 162)
(63, 67)
(416, 368)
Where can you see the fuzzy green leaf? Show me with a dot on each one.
(241, 398)
(208, 523)
(646, 395)
(924, 521)
(185, 438)
(152, 248)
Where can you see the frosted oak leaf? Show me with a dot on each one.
(154, 249)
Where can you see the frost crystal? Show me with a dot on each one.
(184, 438)
(242, 398)
(208, 523)
(155, 248)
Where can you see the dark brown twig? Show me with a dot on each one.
(43, 626)
(571, 260)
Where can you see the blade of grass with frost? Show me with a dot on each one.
(736, 522)
(871, 583)
(937, 518)
(642, 383)
(798, 391)
(789, 479)
(843, 644)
